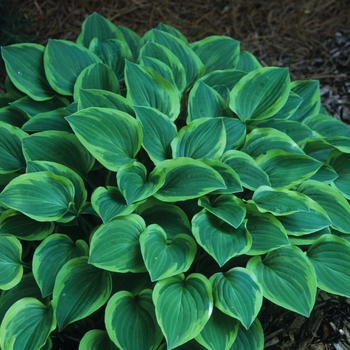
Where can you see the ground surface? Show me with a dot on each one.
(311, 37)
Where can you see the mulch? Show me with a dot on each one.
(311, 37)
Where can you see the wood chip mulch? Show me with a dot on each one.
(311, 37)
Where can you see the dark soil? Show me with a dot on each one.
(311, 37)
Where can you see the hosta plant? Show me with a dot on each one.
(154, 192)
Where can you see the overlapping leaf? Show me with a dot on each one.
(261, 93)
(164, 259)
(27, 75)
(187, 178)
(51, 255)
(237, 294)
(287, 277)
(131, 321)
(24, 318)
(112, 137)
(96, 339)
(123, 234)
(183, 307)
(80, 289)
(219, 239)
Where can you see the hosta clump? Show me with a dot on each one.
(154, 191)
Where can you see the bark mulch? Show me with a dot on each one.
(311, 37)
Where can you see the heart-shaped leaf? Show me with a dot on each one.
(249, 339)
(287, 277)
(164, 259)
(111, 136)
(228, 208)
(183, 307)
(123, 234)
(135, 184)
(80, 289)
(237, 294)
(221, 240)
(219, 332)
(131, 321)
(24, 318)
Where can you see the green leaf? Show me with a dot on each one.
(160, 52)
(309, 91)
(123, 234)
(80, 193)
(327, 126)
(251, 339)
(42, 196)
(237, 294)
(60, 147)
(261, 140)
(307, 240)
(183, 307)
(288, 279)
(51, 254)
(27, 325)
(104, 99)
(202, 138)
(290, 107)
(193, 66)
(187, 178)
(63, 62)
(331, 200)
(173, 31)
(23, 227)
(280, 202)
(219, 239)
(97, 26)
(250, 173)
(32, 107)
(172, 219)
(109, 203)
(27, 287)
(247, 62)
(277, 165)
(52, 120)
(11, 265)
(160, 67)
(232, 181)
(266, 231)
(158, 132)
(11, 156)
(13, 116)
(295, 130)
(205, 102)
(27, 74)
(330, 256)
(145, 87)
(302, 223)
(250, 102)
(113, 53)
(228, 208)
(235, 133)
(135, 184)
(164, 259)
(340, 163)
(131, 321)
(80, 289)
(132, 39)
(96, 76)
(223, 77)
(217, 52)
(111, 136)
(96, 339)
(219, 332)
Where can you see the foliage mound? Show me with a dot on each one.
(154, 191)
